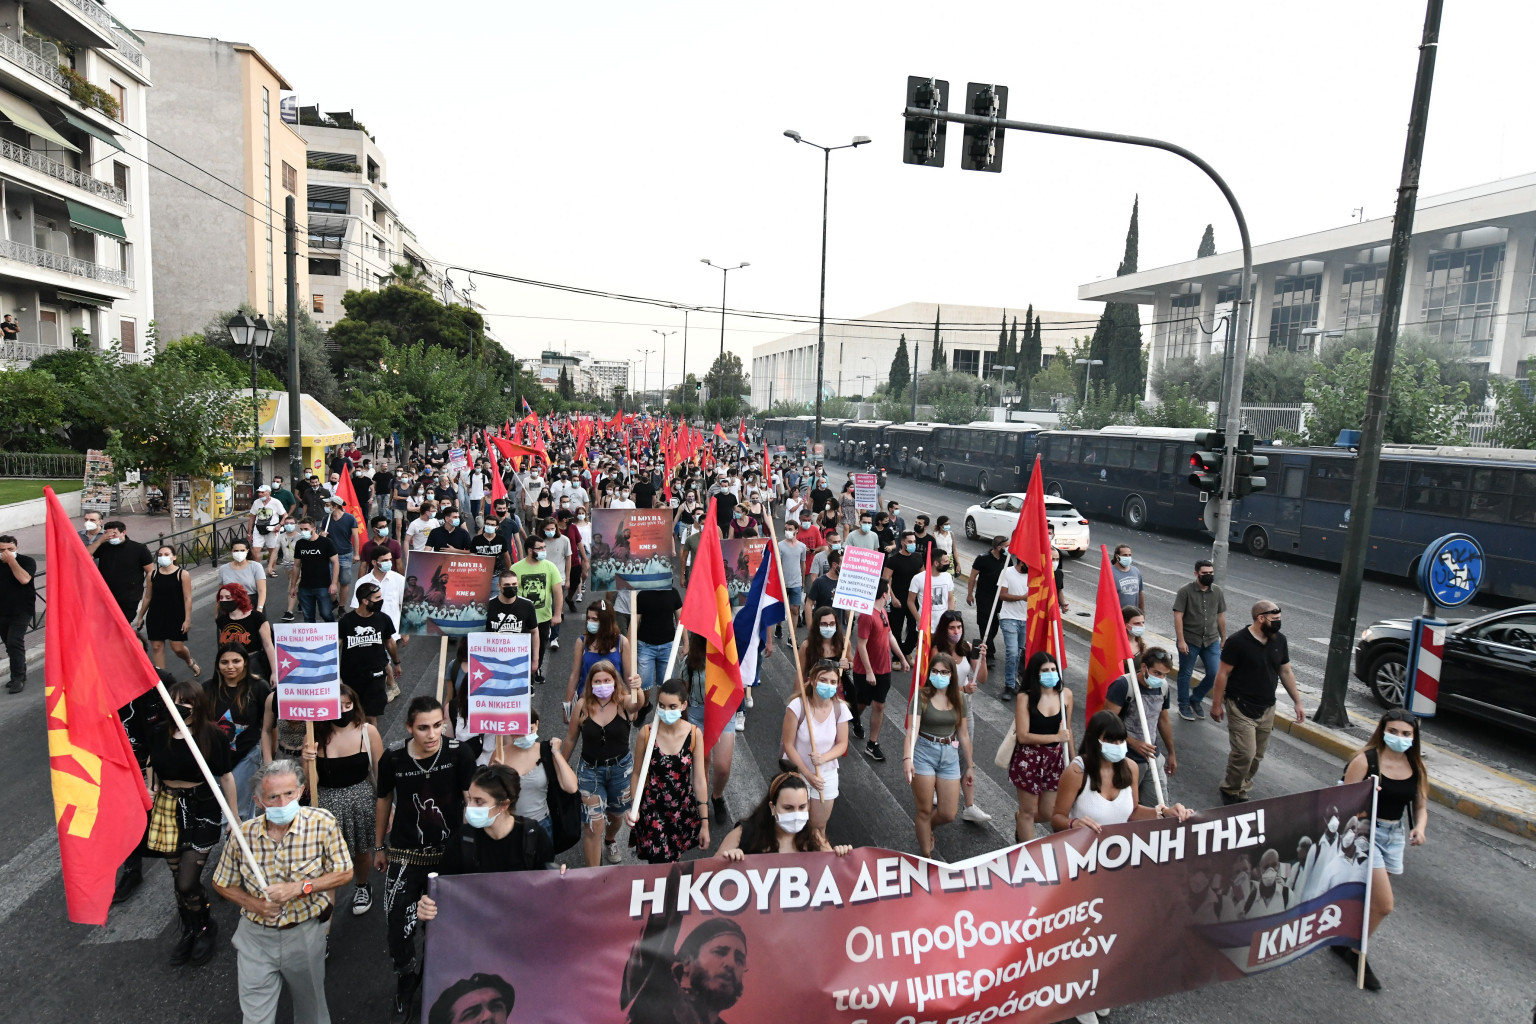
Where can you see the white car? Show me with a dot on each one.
(999, 515)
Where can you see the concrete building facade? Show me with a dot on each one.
(858, 355)
(76, 256)
(216, 105)
(1471, 283)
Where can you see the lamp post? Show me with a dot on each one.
(664, 336)
(645, 375)
(254, 335)
(1088, 374)
(821, 319)
(725, 273)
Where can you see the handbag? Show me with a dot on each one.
(564, 808)
(1004, 756)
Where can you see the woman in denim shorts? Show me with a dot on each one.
(609, 707)
(938, 751)
(1392, 756)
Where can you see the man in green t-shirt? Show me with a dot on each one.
(540, 582)
(283, 494)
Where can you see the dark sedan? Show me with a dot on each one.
(1489, 669)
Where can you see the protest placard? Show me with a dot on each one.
(858, 580)
(866, 492)
(458, 462)
(632, 549)
(308, 671)
(742, 557)
(445, 593)
(499, 668)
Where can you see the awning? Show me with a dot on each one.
(25, 115)
(318, 425)
(88, 219)
(83, 300)
(91, 129)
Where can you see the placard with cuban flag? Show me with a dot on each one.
(499, 668)
(308, 671)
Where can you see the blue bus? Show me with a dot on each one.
(983, 456)
(1423, 492)
(1139, 475)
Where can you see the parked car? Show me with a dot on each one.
(1488, 670)
(999, 515)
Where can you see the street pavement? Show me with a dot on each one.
(1460, 946)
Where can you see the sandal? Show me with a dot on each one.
(197, 670)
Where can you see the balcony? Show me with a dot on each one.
(29, 254)
(63, 172)
(35, 63)
(125, 45)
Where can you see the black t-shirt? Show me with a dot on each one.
(657, 608)
(172, 761)
(18, 599)
(363, 485)
(518, 617)
(1153, 704)
(493, 546)
(383, 482)
(363, 643)
(988, 569)
(442, 538)
(241, 726)
(887, 538)
(246, 632)
(314, 558)
(472, 851)
(10, 330)
(820, 595)
(903, 567)
(821, 497)
(1255, 666)
(142, 717)
(122, 566)
(644, 494)
(725, 507)
(430, 801)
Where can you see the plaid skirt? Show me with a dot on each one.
(185, 819)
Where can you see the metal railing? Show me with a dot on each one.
(94, 11)
(24, 352)
(63, 172)
(130, 52)
(40, 609)
(41, 466)
(206, 543)
(66, 264)
(38, 65)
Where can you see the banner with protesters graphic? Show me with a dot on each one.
(1039, 932)
(632, 549)
(742, 557)
(445, 593)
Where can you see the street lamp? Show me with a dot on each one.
(1088, 374)
(821, 320)
(645, 379)
(255, 335)
(664, 335)
(725, 273)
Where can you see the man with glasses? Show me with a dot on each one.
(1253, 661)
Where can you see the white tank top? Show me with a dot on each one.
(1090, 803)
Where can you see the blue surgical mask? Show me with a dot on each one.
(827, 632)
(1125, 561)
(864, 527)
(524, 742)
(1050, 679)
(479, 817)
(669, 716)
(1113, 752)
(1138, 630)
(1155, 682)
(826, 691)
(591, 626)
(939, 681)
(283, 814)
(383, 531)
(911, 548)
(1401, 744)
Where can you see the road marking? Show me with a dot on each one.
(27, 872)
(144, 916)
(1319, 640)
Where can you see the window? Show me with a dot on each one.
(1118, 455)
(290, 177)
(1174, 460)
(1291, 483)
(988, 363)
(1490, 495)
(967, 360)
(1514, 630)
(1062, 451)
(324, 267)
(1331, 480)
(379, 242)
(1389, 485)
(120, 93)
(327, 199)
(1294, 309)
(1461, 289)
(1523, 508)
(120, 178)
(1530, 303)
(1360, 295)
(128, 335)
(378, 215)
(317, 303)
(1437, 488)
(1093, 451)
(326, 238)
(1145, 456)
(1182, 333)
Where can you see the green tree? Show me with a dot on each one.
(194, 352)
(399, 315)
(31, 409)
(564, 387)
(70, 369)
(787, 409)
(1029, 359)
(1514, 426)
(936, 358)
(901, 371)
(316, 378)
(1005, 354)
(727, 382)
(409, 275)
(418, 389)
(1207, 243)
(1117, 340)
(1105, 406)
(1176, 408)
(1421, 408)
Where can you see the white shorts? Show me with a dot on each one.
(266, 540)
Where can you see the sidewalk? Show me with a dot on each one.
(1465, 786)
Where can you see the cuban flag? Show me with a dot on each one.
(308, 671)
(495, 675)
(764, 607)
(307, 664)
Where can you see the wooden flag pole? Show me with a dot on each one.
(1133, 693)
(310, 768)
(628, 665)
(442, 666)
(644, 767)
(1365, 924)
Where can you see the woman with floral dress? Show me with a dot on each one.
(673, 816)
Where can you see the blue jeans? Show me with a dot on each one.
(651, 663)
(315, 604)
(242, 771)
(1013, 648)
(1210, 654)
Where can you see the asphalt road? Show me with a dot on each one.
(1460, 947)
(1304, 590)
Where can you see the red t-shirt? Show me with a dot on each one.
(875, 631)
(811, 537)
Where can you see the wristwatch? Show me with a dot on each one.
(309, 887)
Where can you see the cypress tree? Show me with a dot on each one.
(901, 371)
(1004, 352)
(1117, 339)
(936, 361)
(1207, 243)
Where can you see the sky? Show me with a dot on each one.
(613, 145)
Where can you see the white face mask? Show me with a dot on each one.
(793, 821)
(238, 556)
(91, 526)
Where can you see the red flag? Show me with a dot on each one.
(1111, 647)
(95, 665)
(924, 628)
(720, 431)
(348, 494)
(498, 489)
(707, 612)
(1031, 544)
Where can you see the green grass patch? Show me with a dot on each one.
(12, 491)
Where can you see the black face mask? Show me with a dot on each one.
(509, 592)
(1270, 626)
(226, 606)
(1206, 578)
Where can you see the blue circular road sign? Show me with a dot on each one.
(1451, 570)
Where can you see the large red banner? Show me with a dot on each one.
(1039, 932)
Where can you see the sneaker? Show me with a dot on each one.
(127, 885)
(857, 727)
(741, 721)
(718, 806)
(1198, 709)
(873, 750)
(554, 644)
(748, 699)
(611, 853)
(362, 900)
(1008, 694)
(1087, 1018)
(974, 813)
(16, 685)
(789, 642)
(1187, 713)
(287, 616)
(405, 994)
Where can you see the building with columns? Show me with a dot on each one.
(1471, 284)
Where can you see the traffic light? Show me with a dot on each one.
(1248, 479)
(697, 387)
(925, 136)
(1205, 465)
(984, 145)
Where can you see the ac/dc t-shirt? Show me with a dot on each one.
(428, 792)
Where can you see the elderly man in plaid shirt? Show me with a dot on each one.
(282, 929)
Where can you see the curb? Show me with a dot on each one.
(1472, 805)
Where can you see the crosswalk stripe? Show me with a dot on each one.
(27, 872)
(144, 916)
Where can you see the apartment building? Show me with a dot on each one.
(75, 256)
(219, 228)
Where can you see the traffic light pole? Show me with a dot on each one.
(1346, 606)
(1237, 351)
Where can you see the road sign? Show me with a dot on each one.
(1451, 570)
(1425, 651)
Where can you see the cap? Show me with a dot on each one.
(337, 499)
(264, 487)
